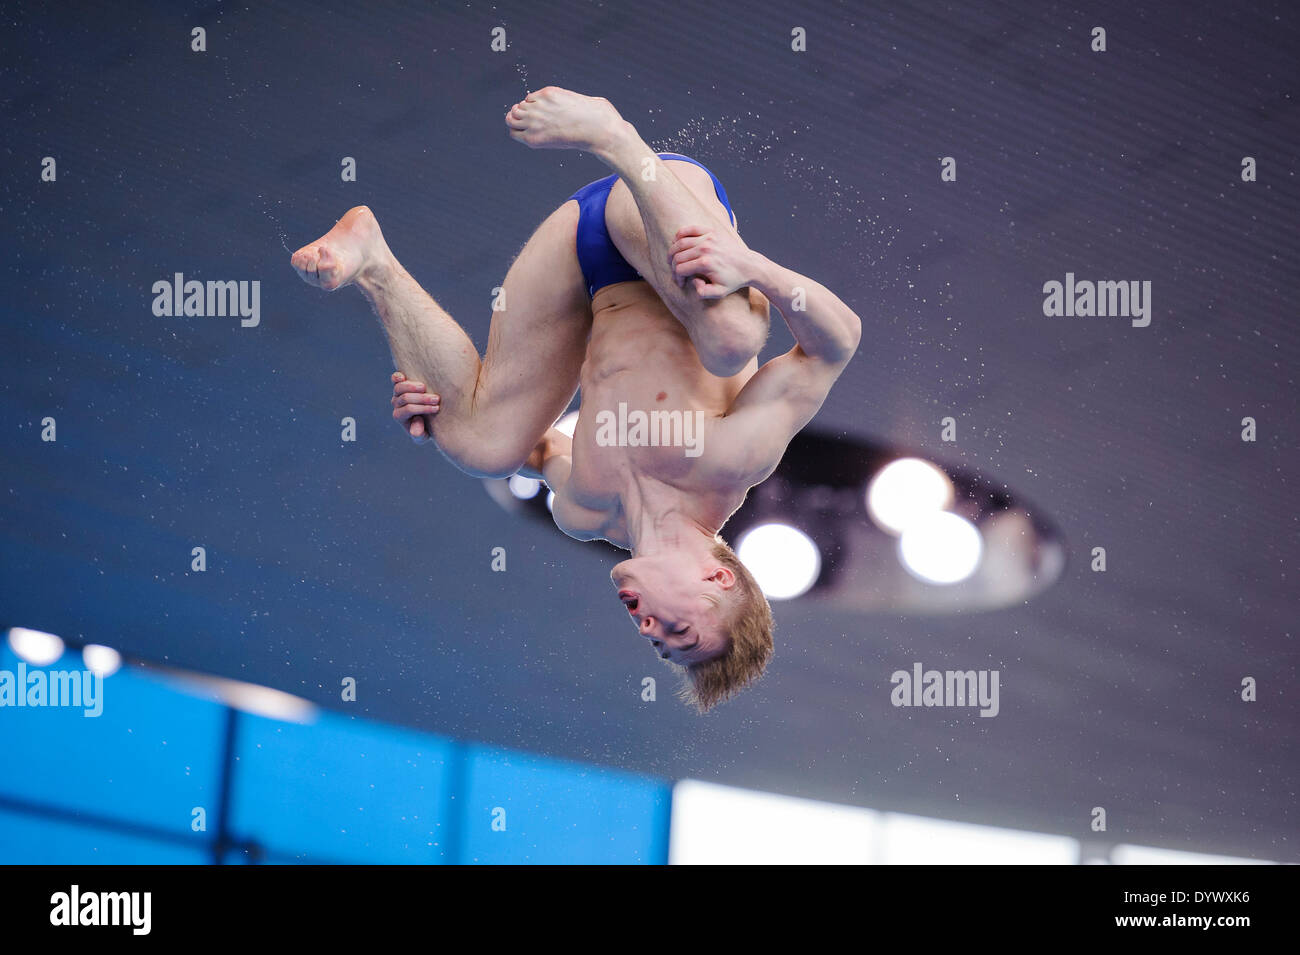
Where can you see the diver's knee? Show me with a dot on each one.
(492, 463)
(730, 343)
(483, 456)
(490, 470)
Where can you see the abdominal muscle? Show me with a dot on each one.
(640, 355)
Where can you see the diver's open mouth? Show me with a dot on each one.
(630, 599)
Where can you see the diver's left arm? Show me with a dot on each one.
(747, 443)
(552, 462)
(826, 329)
(718, 262)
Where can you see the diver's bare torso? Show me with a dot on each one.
(639, 355)
(685, 342)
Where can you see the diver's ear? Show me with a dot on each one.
(724, 577)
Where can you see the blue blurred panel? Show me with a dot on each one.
(152, 755)
(340, 790)
(32, 840)
(236, 857)
(558, 812)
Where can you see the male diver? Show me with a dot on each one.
(639, 290)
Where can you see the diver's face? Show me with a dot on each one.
(675, 606)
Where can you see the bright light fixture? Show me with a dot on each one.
(783, 559)
(524, 488)
(36, 647)
(101, 660)
(721, 825)
(905, 491)
(943, 548)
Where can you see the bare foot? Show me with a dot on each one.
(337, 258)
(555, 118)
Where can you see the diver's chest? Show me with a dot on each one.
(613, 444)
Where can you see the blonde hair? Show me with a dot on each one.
(749, 626)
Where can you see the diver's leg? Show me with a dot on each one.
(653, 200)
(493, 411)
(727, 332)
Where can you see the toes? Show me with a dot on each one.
(329, 269)
(305, 262)
(305, 266)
